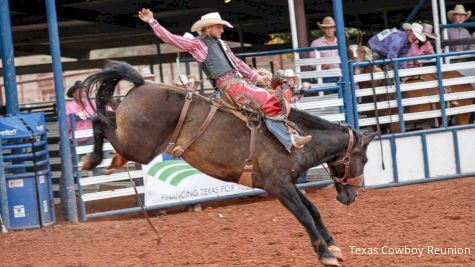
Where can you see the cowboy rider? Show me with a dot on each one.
(227, 72)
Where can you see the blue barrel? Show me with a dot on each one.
(25, 178)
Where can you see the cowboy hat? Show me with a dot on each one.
(459, 9)
(427, 30)
(417, 29)
(208, 20)
(406, 26)
(183, 79)
(146, 73)
(327, 22)
(77, 85)
(287, 73)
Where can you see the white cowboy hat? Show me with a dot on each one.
(146, 73)
(417, 29)
(208, 20)
(459, 9)
(406, 26)
(287, 73)
(183, 79)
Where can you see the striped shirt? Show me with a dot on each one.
(198, 49)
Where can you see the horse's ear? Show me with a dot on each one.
(368, 137)
(359, 38)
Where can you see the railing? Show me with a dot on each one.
(399, 88)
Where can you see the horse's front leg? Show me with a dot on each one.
(289, 197)
(321, 228)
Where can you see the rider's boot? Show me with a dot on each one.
(299, 141)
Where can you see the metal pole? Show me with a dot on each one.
(3, 195)
(345, 79)
(443, 21)
(8, 59)
(435, 18)
(293, 28)
(440, 78)
(416, 10)
(66, 165)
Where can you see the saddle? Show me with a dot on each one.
(222, 102)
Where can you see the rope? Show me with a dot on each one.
(144, 212)
(376, 113)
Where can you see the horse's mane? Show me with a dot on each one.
(313, 122)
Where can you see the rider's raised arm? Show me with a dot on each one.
(243, 68)
(195, 46)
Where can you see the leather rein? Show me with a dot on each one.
(347, 179)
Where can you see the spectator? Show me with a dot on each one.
(419, 48)
(328, 39)
(393, 43)
(188, 82)
(80, 107)
(458, 16)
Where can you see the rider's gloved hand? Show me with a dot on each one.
(145, 15)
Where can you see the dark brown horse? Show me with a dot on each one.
(144, 121)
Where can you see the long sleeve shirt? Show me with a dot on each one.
(458, 33)
(198, 49)
(325, 53)
(74, 107)
(394, 45)
(425, 49)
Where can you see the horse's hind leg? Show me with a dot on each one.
(117, 162)
(289, 197)
(96, 156)
(321, 228)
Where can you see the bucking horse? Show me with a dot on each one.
(141, 126)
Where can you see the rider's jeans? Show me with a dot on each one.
(278, 129)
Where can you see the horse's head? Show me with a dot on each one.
(358, 52)
(347, 168)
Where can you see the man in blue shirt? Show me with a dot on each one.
(392, 43)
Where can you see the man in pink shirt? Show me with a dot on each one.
(230, 74)
(82, 109)
(419, 48)
(328, 39)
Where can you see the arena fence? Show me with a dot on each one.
(395, 159)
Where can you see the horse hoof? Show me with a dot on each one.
(86, 164)
(330, 262)
(107, 172)
(336, 251)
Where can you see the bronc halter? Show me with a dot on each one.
(346, 160)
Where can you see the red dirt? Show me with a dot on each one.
(260, 232)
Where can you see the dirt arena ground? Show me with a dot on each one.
(260, 232)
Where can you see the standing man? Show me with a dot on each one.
(227, 73)
(328, 39)
(393, 43)
(458, 16)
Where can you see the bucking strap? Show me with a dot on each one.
(246, 176)
(178, 151)
(181, 120)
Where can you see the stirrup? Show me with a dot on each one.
(177, 152)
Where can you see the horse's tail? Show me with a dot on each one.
(106, 82)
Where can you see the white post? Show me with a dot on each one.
(435, 18)
(443, 21)
(293, 28)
